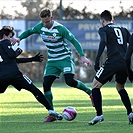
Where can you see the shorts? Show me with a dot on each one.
(110, 69)
(57, 67)
(18, 81)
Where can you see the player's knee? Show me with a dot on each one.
(46, 86)
(71, 82)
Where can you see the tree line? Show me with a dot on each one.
(33, 8)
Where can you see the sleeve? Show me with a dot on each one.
(71, 38)
(78, 46)
(23, 60)
(10, 52)
(102, 44)
(27, 33)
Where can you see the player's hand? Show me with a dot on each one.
(130, 76)
(38, 57)
(18, 51)
(96, 65)
(15, 40)
(86, 61)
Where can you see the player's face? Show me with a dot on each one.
(47, 21)
(102, 21)
(8, 37)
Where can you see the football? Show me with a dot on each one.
(69, 113)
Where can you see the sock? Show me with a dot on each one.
(41, 98)
(97, 97)
(125, 99)
(49, 96)
(83, 87)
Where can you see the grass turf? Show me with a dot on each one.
(21, 113)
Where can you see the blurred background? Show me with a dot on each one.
(81, 17)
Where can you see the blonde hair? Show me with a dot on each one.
(45, 12)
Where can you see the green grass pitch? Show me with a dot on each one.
(21, 113)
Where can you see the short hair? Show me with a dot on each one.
(106, 15)
(6, 30)
(45, 12)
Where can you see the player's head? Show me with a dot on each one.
(7, 32)
(106, 17)
(46, 17)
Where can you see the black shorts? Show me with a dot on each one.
(110, 69)
(18, 81)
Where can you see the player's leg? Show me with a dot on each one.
(121, 78)
(102, 76)
(47, 83)
(126, 101)
(97, 98)
(68, 69)
(25, 83)
(70, 81)
(50, 74)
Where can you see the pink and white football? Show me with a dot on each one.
(69, 113)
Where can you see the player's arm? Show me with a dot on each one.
(9, 50)
(71, 38)
(25, 34)
(37, 58)
(102, 44)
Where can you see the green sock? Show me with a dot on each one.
(83, 87)
(49, 96)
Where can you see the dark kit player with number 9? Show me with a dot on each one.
(115, 39)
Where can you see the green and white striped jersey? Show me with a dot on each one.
(55, 39)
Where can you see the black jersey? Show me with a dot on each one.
(115, 38)
(8, 56)
(130, 49)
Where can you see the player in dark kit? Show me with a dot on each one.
(115, 39)
(128, 58)
(11, 75)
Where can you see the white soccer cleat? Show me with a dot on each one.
(130, 117)
(96, 119)
(55, 114)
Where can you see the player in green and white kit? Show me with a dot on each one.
(59, 61)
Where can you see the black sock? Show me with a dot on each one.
(126, 101)
(40, 97)
(97, 100)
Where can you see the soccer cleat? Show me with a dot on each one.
(96, 119)
(50, 119)
(130, 117)
(92, 101)
(55, 114)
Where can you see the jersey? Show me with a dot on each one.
(115, 38)
(8, 64)
(55, 39)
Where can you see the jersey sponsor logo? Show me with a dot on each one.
(27, 79)
(67, 69)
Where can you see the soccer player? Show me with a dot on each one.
(115, 38)
(128, 58)
(60, 60)
(11, 75)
